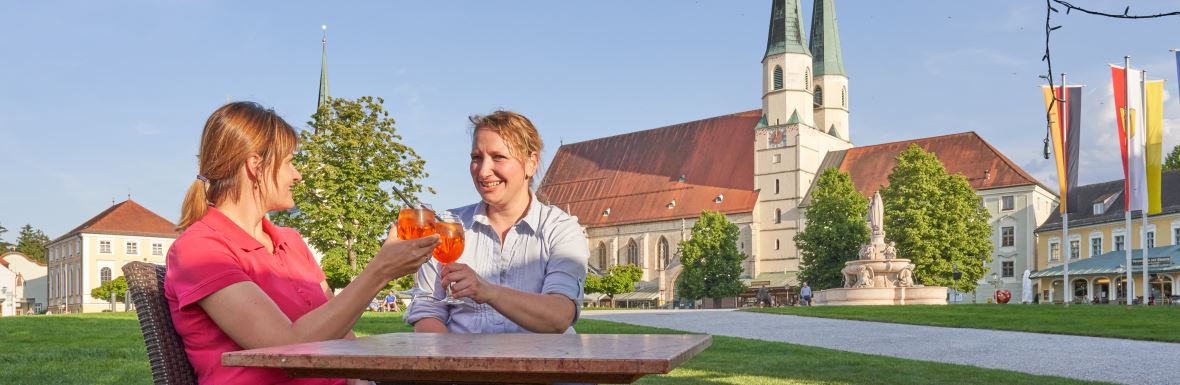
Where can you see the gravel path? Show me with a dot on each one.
(1087, 358)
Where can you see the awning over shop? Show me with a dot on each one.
(773, 280)
(641, 294)
(1159, 260)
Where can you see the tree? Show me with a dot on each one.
(118, 286)
(937, 221)
(1172, 162)
(31, 242)
(711, 260)
(341, 206)
(3, 245)
(835, 230)
(618, 279)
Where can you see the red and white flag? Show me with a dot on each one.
(1128, 101)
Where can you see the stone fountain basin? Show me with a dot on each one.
(918, 295)
(884, 266)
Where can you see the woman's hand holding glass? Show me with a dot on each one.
(397, 258)
(450, 231)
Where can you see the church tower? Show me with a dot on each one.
(789, 142)
(831, 82)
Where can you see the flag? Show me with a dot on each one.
(1154, 136)
(1128, 100)
(1065, 121)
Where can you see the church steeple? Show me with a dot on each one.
(323, 98)
(786, 28)
(826, 56)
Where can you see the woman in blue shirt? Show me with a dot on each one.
(523, 267)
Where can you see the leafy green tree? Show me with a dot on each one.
(3, 245)
(118, 286)
(937, 221)
(835, 230)
(1172, 162)
(712, 262)
(31, 242)
(344, 205)
(618, 279)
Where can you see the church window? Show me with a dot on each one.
(776, 186)
(778, 78)
(662, 253)
(104, 275)
(1008, 269)
(844, 97)
(818, 97)
(1007, 236)
(778, 216)
(1009, 203)
(807, 79)
(632, 253)
(776, 244)
(602, 255)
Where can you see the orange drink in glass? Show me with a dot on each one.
(450, 232)
(415, 222)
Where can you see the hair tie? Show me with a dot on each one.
(202, 178)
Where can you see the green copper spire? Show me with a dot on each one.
(794, 118)
(323, 70)
(825, 40)
(786, 28)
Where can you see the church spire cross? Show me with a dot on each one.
(323, 98)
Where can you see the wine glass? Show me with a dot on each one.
(450, 232)
(413, 222)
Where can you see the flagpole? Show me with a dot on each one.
(1063, 131)
(1130, 286)
(1143, 239)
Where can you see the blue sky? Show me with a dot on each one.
(99, 100)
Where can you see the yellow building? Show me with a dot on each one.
(1097, 242)
(95, 252)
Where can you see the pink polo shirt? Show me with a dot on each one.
(214, 253)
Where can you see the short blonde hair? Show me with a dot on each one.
(517, 131)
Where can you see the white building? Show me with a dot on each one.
(95, 252)
(30, 281)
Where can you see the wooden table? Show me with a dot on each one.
(481, 358)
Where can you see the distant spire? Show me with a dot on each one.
(323, 69)
(825, 40)
(786, 28)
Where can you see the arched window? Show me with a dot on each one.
(818, 98)
(662, 253)
(778, 216)
(844, 96)
(602, 255)
(807, 78)
(104, 275)
(633, 253)
(778, 77)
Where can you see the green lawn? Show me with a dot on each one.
(108, 348)
(1155, 323)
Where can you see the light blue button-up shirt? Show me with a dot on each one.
(545, 252)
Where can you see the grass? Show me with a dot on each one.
(1156, 323)
(108, 348)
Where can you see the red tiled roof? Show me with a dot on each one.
(964, 153)
(127, 218)
(637, 175)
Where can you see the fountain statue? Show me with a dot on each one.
(878, 276)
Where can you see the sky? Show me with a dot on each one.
(104, 100)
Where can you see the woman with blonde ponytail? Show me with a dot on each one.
(236, 281)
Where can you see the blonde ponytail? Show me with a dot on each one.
(195, 204)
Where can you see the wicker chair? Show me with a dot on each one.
(165, 349)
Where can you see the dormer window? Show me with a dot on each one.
(1099, 208)
(606, 212)
(719, 198)
(671, 204)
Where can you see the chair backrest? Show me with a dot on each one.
(165, 349)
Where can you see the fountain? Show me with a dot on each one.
(879, 277)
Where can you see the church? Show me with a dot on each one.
(637, 195)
